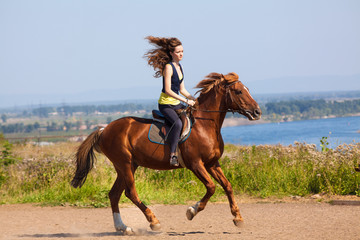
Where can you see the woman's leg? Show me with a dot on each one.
(175, 124)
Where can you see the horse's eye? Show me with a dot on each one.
(238, 92)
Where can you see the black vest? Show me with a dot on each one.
(175, 80)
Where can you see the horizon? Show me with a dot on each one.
(261, 98)
(66, 51)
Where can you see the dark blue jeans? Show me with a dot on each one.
(173, 120)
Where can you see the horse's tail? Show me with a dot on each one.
(85, 158)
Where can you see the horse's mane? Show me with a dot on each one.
(214, 79)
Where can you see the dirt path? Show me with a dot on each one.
(262, 221)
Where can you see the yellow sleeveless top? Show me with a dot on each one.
(166, 99)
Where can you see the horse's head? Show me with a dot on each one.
(236, 96)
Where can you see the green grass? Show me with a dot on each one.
(44, 174)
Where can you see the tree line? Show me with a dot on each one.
(19, 127)
(49, 126)
(307, 109)
(90, 109)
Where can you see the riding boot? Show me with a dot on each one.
(174, 161)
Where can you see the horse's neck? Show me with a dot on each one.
(212, 107)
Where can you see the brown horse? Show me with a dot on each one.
(125, 142)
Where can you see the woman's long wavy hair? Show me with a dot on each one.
(160, 56)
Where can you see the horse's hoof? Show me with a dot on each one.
(238, 222)
(155, 227)
(127, 231)
(190, 213)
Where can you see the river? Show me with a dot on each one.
(337, 130)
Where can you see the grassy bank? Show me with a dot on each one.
(33, 174)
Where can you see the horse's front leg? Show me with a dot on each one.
(217, 173)
(200, 172)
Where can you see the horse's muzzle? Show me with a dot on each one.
(253, 115)
(257, 113)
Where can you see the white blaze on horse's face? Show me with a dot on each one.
(246, 89)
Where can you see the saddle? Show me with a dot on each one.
(186, 122)
(159, 130)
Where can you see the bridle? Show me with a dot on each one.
(228, 93)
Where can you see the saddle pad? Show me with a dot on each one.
(157, 136)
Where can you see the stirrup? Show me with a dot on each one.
(174, 161)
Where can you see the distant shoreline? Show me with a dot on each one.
(232, 122)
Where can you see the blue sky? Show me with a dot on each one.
(51, 51)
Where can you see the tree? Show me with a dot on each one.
(36, 125)
(3, 118)
(29, 128)
(88, 124)
(67, 126)
(52, 127)
(78, 125)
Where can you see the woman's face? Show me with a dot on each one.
(178, 53)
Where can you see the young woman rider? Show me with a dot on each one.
(165, 59)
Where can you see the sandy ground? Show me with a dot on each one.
(263, 220)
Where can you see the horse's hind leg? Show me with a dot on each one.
(131, 193)
(217, 173)
(114, 196)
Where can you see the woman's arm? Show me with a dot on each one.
(184, 92)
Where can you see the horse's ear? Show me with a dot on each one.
(232, 76)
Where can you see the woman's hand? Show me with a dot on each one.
(190, 102)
